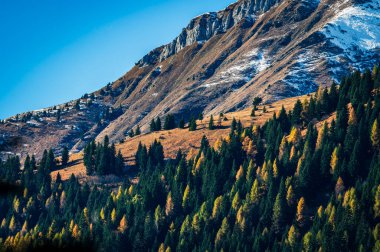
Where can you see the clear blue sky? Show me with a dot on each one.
(55, 51)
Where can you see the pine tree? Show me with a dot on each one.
(181, 123)
(253, 113)
(335, 159)
(123, 225)
(192, 124)
(200, 117)
(376, 206)
(169, 122)
(211, 123)
(152, 126)
(256, 102)
(296, 115)
(255, 192)
(50, 161)
(301, 209)
(308, 242)
(12, 224)
(138, 131)
(65, 156)
(131, 133)
(169, 204)
(290, 196)
(353, 165)
(77, 105)
(339, 187)
(158, 124)
(58, 115)
(278, 217)
(333, 97)
(185, 198)
(222, 232)
(292, 237)
(375, 135)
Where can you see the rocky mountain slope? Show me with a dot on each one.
(222, 60)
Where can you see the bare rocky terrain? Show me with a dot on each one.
(221, 61)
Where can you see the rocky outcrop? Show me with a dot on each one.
(202, 28)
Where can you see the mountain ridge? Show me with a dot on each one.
(288, 48)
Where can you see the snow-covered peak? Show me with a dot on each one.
(355, 29)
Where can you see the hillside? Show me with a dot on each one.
(221, 61)
(308, 179)
(188, 141)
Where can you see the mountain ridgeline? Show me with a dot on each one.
(285, 186)
(217, 64)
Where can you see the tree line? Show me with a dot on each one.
(285, 186)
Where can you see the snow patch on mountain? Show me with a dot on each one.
(300, 74)
(355, 29)
(249, 65)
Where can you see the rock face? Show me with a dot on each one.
(222, 60)
(203, 27)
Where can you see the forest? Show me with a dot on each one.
(285, 186)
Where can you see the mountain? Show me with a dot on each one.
(219, 63)
(305, 179)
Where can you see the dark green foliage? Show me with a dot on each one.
(137, 131)
(296, 115)
(65, 156)
(211, 123)
(313, 192)
(256, 102)
(158, 124)
(253, 112)
(131, 133)
(181, 123)
(152, 126)
(169, 122)
(58, 115)
(77, 105)
(155, 125)
(192, 124)
(101, 159)
(200, 117)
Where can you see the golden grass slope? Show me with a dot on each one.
(187, 141)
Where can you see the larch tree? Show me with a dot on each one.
(301, 211)
(376, 206)
(375, 135)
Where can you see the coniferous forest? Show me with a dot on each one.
(307, 180)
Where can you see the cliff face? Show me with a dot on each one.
(203, 27)
(222, 60)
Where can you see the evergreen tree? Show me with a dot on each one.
(192, 124)
(169, 122)
(256, 102)
(181, 123)
(131, 133)
(158, 124)
(211, 123)
(200, 117)
(375, 135)
(296, 115)
(152, 126)
(279, 210)
(65, 156)
(137, 132)
(253, 113)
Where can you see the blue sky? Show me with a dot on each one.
(55, 51)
